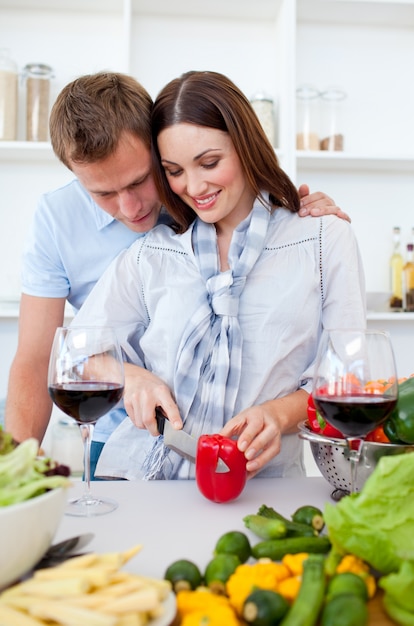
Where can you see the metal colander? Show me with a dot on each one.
(331, 457)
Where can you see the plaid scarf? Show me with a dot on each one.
(208, 367)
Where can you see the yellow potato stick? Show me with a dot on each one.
(157, 612)
(143, 600)
(68, 615)
(163, 586)
(128, 554)
(103, 595)
(90, 590)
(93, 576)
(77, 562)
(133, 619)
(55, 588)
(118, 558)
(12, 617)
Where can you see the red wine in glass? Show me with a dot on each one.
(86, 402)
(347, 362)
(355, 416)
(86, 381)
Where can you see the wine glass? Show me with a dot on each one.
(355, 385)
(85, 381)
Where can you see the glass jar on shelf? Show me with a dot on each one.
(307, 117)
(8, 96)
(332, 132)
(263, 105)
(37, 77)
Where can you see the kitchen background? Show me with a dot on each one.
(364, 47)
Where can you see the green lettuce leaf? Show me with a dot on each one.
(399, 587)
(377, 524)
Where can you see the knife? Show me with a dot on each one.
(181, 442)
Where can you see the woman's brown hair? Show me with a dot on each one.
(211, 99)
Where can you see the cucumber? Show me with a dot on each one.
(345, 610)
(264, 607)
(309, 515)
(265, 527)
(293, 528)
(275, 549)
(307, 606)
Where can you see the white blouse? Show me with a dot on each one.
(308, 277)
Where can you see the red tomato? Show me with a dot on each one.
(377, 435)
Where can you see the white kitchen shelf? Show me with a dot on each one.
(240, 9)
(390, 317)
(343, 161)
(26, 151)
(368, 12)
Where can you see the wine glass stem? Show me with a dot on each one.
(355, 449)
(87, 433)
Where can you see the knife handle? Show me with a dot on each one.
(160, 419)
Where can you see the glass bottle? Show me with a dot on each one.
(332, 137)
(37, 77)
(307, 117)
(264, 108)
(8, 97)
(396, 271)
(408, 280)
(67, 445)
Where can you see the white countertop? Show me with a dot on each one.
(172, 520)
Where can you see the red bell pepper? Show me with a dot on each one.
(378, 435)
(318, 424)
(220, 486)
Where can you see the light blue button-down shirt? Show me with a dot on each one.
(71, 243)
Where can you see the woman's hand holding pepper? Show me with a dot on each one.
(259, 428)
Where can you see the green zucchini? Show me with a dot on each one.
(275, 549)
(265, 527)
(307, 606)
(264, 607)
(309, 515)
(293, 529)
(345, 610)
(183, 574)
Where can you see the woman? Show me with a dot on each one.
(226, 313)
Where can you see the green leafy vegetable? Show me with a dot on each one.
(24, 475)
(398, 597)
(7, 443)
(377, 524)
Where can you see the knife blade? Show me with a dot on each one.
(181, 442)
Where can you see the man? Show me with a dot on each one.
(99, 129)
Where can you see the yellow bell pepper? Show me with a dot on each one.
(289, 587)
(264, 574)
(214, 616)
(202, 607)
(202, 598)
(352, 563)
(294, 562)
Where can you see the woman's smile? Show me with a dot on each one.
(203, 168)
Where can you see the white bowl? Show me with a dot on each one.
(26, 532)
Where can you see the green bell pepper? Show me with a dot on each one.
(399, 427)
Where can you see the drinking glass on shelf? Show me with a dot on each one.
(348, 388)
(85, 381)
